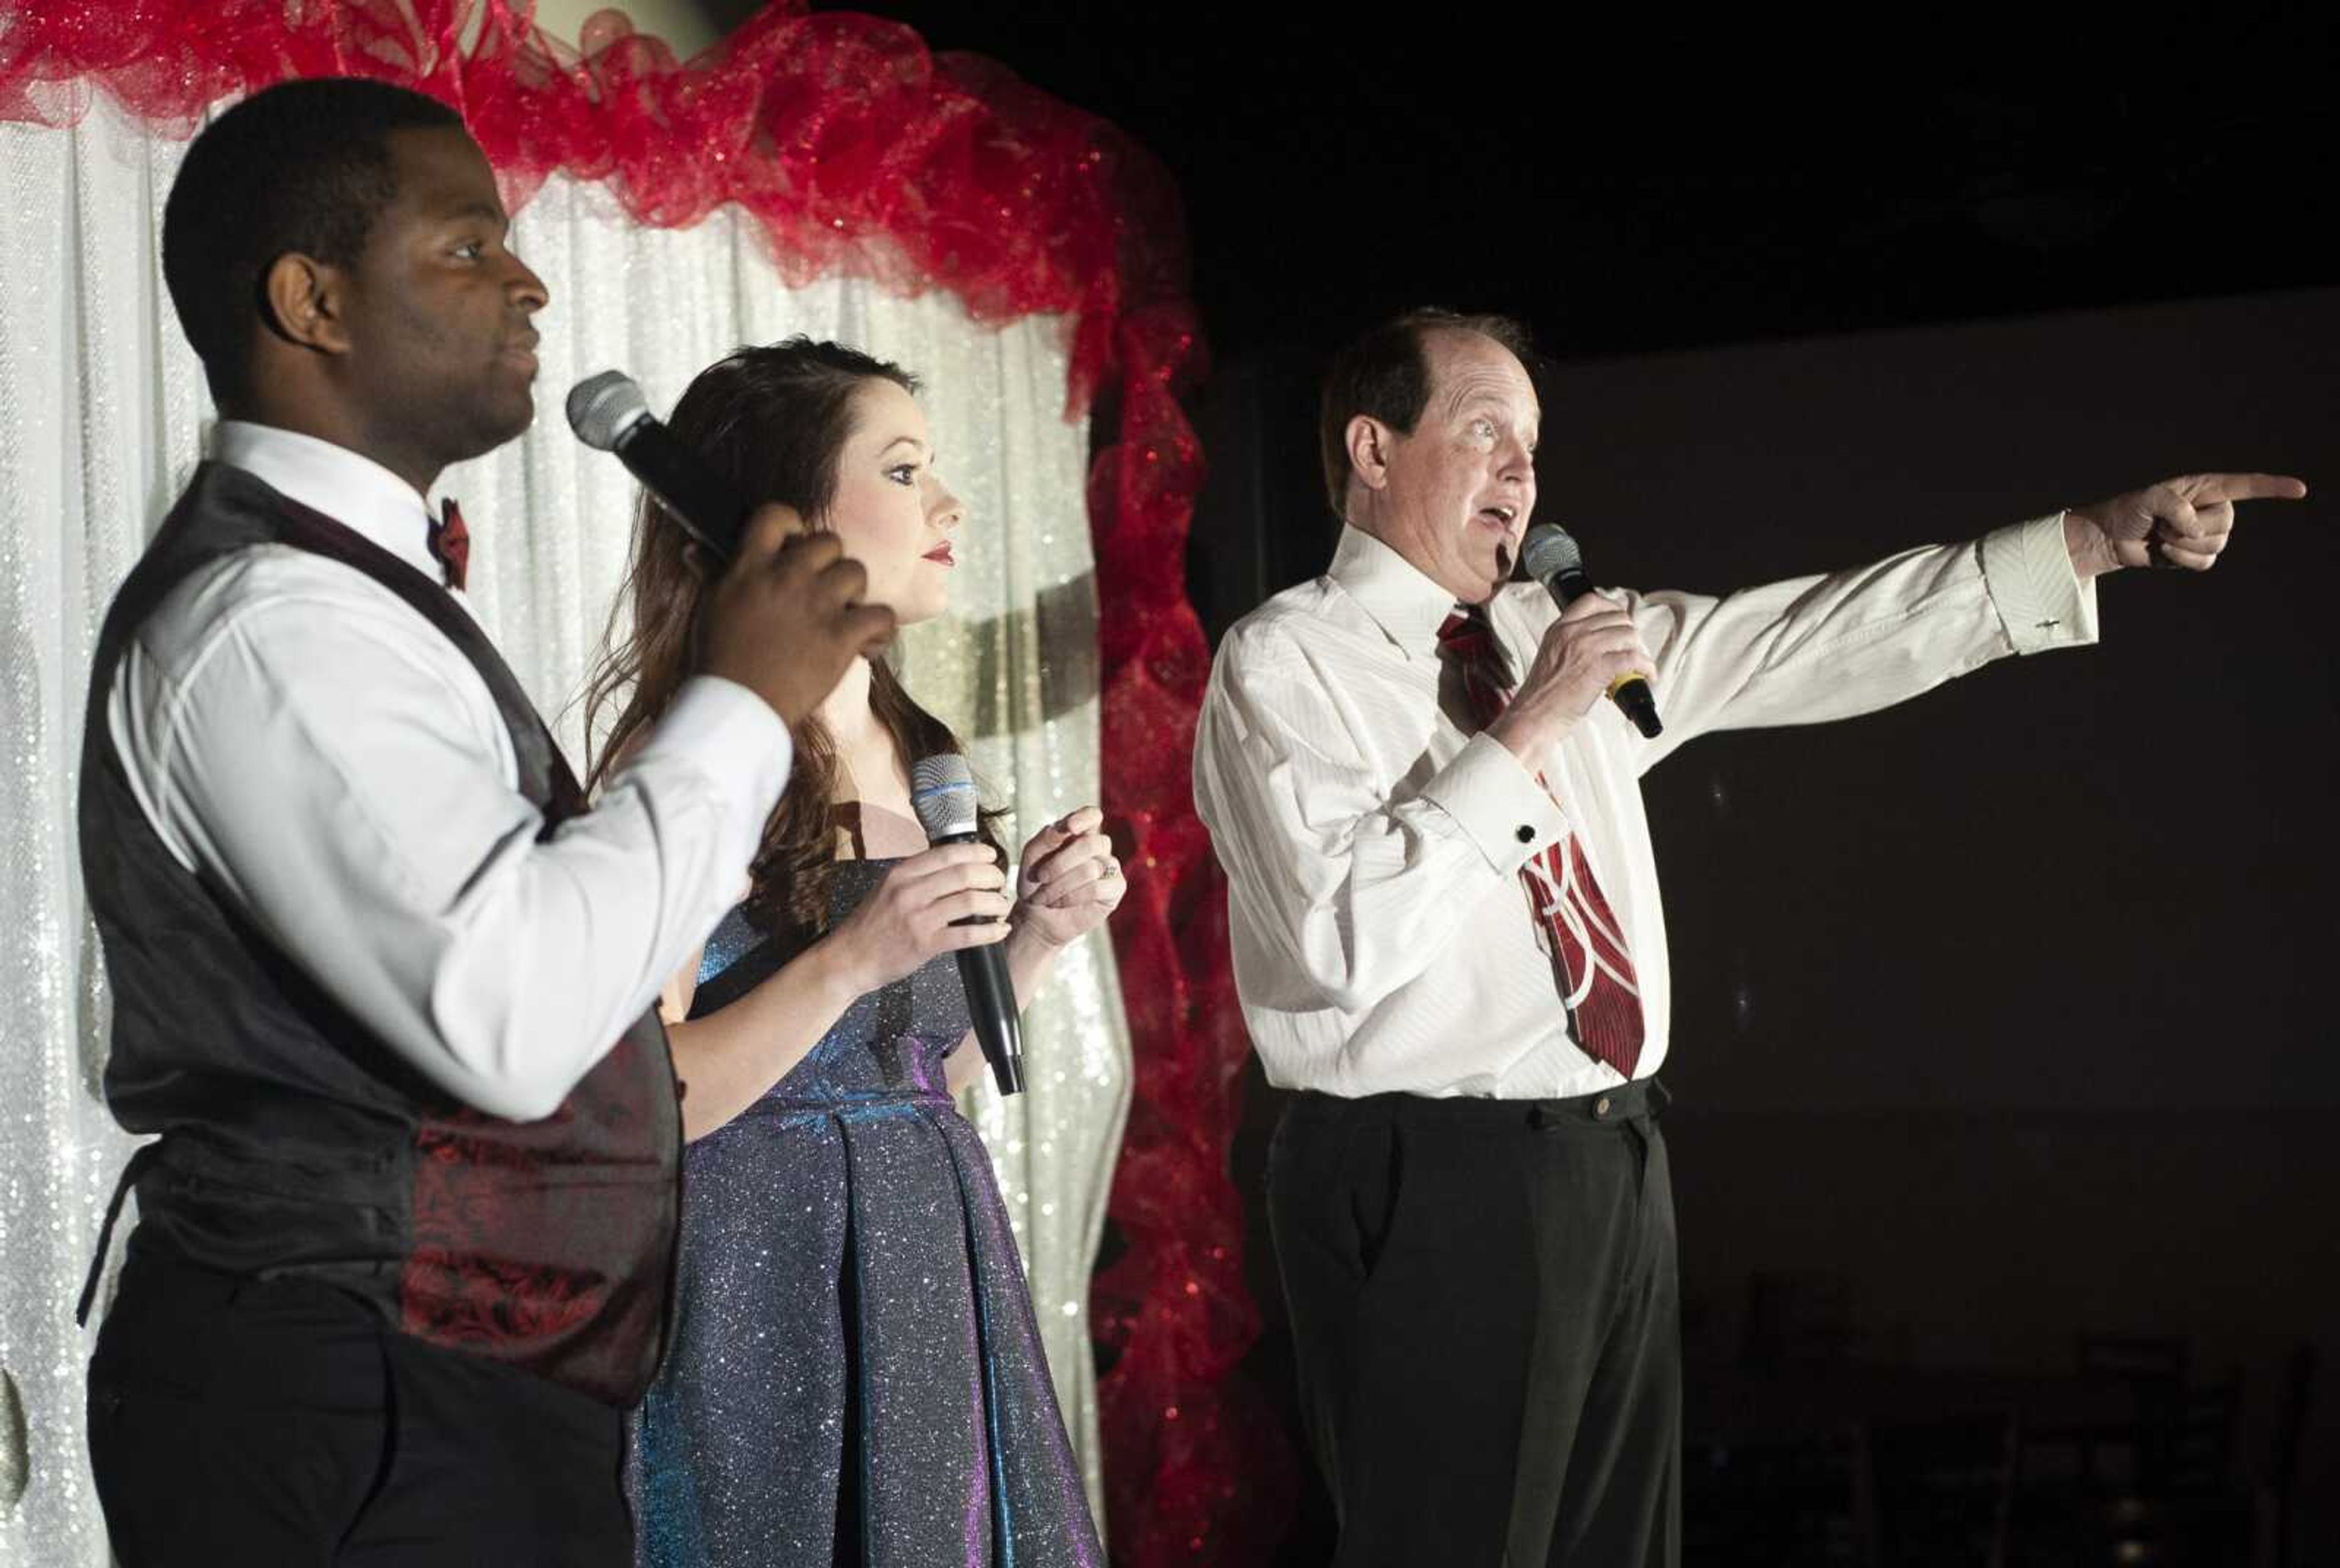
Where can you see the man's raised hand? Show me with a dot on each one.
(2182, 523)
(787, 618)
(1583, 653)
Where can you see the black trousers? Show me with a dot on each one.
(1485, 1310)
(280, 1423)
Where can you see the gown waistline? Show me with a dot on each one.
(850, 1103)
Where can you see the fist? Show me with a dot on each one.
(916, 911)
(2183, 523)
(1067, 880)
(787, 618)
(1591, 648)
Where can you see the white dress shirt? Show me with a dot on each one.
(319, 753)
(1383, 941)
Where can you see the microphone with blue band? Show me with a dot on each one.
(943, 794)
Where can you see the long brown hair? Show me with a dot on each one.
(773, 421)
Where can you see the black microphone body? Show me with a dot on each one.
(1553, 559)
(709, 508)
(608, 412)
(942, 792)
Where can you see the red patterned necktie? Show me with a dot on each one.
(1587, 945)
(450, 544)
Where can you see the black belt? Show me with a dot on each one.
(1643, 1099)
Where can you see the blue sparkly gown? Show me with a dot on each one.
(854, 1375)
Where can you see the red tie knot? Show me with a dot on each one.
(450, 544)
(1465, 635)
(1467, 639)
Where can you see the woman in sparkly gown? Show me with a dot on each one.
(853, 1374)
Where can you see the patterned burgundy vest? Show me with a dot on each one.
(292, 1140)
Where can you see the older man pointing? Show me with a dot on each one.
(1448, 939)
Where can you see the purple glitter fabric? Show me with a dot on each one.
(854, 1376)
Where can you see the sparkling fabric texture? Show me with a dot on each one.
(102, 416)
(855, 1375)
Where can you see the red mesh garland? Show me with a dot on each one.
(1197, 1472)
(859, 151)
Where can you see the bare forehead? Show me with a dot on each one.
(441, 171)
(885, 412)
(1469, 368)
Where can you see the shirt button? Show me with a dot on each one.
(1601, 1106)
(1527, 834)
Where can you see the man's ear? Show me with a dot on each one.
(1369, 444)
(301, 301)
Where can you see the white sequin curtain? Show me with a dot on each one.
(102, 414)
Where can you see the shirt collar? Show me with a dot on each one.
(1406, 605)
(353, 489)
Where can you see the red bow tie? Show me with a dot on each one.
(450, 544)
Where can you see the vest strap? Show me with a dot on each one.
(139, 1164)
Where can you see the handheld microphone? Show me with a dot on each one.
(1554, 560)
(942, 792)
(609, 413)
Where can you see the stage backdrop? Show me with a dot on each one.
(817, 174)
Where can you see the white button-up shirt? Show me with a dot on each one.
(1381, 938)
(307, 743)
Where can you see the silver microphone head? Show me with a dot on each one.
(942, 792)
(1547, 551)
(602, 408)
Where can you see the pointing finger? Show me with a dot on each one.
(2203, 487)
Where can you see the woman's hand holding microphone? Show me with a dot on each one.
(908, 918)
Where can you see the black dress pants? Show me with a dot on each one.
(1485, 1311)
(279, 1423)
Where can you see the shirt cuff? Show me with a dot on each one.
(2040, 599)
(733, 737)
(1497, 803)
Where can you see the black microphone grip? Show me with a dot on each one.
(1633, 697)
(991, 1012)
(610, 413)
(942, 793)
(1630, 693)
(991, 1008)
(701, 499)
(1553, 559)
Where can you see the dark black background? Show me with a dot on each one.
(1641, 177)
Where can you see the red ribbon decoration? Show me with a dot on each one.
(1196, 1468)
(860, 153)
